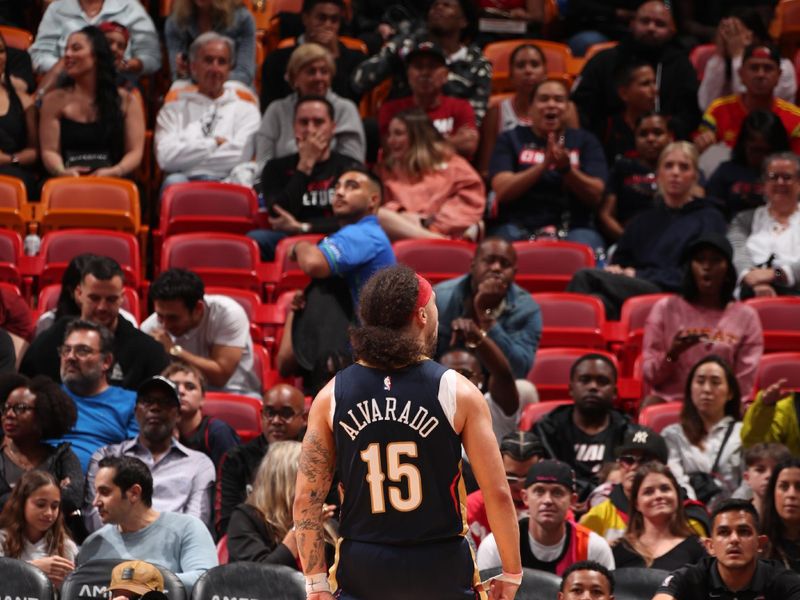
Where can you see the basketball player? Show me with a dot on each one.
(392, 426)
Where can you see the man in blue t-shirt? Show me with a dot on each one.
(105, 412)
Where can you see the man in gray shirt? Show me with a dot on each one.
(183, 478)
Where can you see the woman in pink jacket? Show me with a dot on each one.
(429, 190)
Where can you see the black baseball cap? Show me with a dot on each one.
(762, 50)
(425, 47)
(551, 471)
(161, 383)
(647, 441)
(521, 445)
(718, 241)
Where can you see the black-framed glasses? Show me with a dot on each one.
(17, 409)
(284, 414)
(80, 350)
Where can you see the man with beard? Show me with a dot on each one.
(734, 569)
(652, 40)
(587, 433)
(392, 427)
(487, 312)
(283, 417)
(183, 479)
(548, 540)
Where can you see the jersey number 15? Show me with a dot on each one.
(396, 470)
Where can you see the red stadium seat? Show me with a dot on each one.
(699, 56)
(547, 265)
(262, 365)
(48, 299)
(658, 416)
(243, 413)
(285, 274)
(533, 412)
(271, 318)
(629, 331)
(780, 320)
(551, 367)
(60, 247)
(436, 260)
(222, 550)
(10, 254)
(220, 259)
(248, 300)
(205, 206)
(777, 366)
(571, 320)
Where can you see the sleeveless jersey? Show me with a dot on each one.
(397, 454)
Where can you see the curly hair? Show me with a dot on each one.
(12, 519)
(690, 420)
(386, 305)
(55, 410)
(107, 100)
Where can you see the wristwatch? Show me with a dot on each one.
(305, 227)
(14, 159)
(473, 345)
(176, 350)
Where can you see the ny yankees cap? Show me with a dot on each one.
(551, 471)
(647, 441)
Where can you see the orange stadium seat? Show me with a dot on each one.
(101, 202)
(221, 259)
(551, 367)
(60, 247)
(15, 37)
(10, 254)
(436, 260)
(785, 26)
(548, 265)
(597, 48)
(780, 320)
(533, 412)
(658, 416)
(48, 299)
(558, 57)
(15, 212)
(284, 274)
(347, 41)
(699, 56)
(243, 413)
(777, 366)
(571, 320)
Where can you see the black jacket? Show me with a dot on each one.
(234, 473)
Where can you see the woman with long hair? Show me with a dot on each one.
(705, 446)
(32, 527)
(429, 191)
(702, 319)
(230, 18)
(658, 535)
(781, 519)
(89, 125)
(262, 529)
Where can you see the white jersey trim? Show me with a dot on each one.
(333, 404)
(447, 396)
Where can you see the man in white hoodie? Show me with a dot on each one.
(205, 133)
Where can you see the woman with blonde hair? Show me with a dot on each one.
(429, 190)
(261, 529)
(658, 534)
(309, 72)
(230, 18)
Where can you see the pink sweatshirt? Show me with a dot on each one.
(453, 194)
(735, 335)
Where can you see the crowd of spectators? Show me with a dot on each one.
(380, 122)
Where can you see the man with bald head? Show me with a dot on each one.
(283, 417)
(488, 313)
(651, 39)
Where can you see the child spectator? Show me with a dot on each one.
(759, 461)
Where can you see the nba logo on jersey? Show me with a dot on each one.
(387, 383)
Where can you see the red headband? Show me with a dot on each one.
(114, 27)
(425, 291)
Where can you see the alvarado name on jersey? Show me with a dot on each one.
(369, 411)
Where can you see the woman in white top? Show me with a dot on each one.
(708, 434)
(32, 527)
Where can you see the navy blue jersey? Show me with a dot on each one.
(397, 454)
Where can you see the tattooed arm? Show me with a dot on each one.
(313, 483)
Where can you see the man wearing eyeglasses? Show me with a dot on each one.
(283, 417)
(183, 479)
(105, 412)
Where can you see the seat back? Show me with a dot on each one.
(436, 260)
(22, 39)
(208, 206)
(22, 580)
(780, 321)
(548, 265)
(571, 320)
(633, 583)
(60, 247)
(558, 56)
(48, 299)
(218, 258)
(535, 411)
(658, 416)
(699, 56)
(102, 202)
(550, 371)
(14, 209)
(243, 413)
(90, 581)
(254, 581)
(777, 366)
(285, 273)
(10, 254)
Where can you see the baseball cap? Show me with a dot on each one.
(521, 445)
(762, 50)
(551, 471)
(136, 576)
(645, 440)
(425, 47)
(159, 382)
(715, 240)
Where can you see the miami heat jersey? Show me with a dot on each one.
(398, 457)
